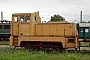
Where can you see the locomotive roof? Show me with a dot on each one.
(84, 24)
(58, 22)
(24, 13)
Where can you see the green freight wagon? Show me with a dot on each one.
(5, 30)
(83, 30)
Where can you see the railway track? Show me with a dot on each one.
(7, 46)
(4, 46)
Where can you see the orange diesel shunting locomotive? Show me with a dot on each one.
(27, 31)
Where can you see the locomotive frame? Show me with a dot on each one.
(28, 32)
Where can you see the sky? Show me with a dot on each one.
(69, 9)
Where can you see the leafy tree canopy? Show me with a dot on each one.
(57, 17)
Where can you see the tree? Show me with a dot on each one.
(57, 18)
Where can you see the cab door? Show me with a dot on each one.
(87, 34)
(15, 25)
(81, 32)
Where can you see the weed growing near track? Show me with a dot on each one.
(22, 54)
(4, 42)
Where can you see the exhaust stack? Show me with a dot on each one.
(80, 16)
(1, 16)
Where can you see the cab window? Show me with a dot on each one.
(6, 26)
(34, 18)
(15, 19)
(22, 18)
(27, 18)
(86, 30)
(81, 30)
(1, 26)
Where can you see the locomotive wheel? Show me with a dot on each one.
(59, 48)
(25, 46)
(52, 48)
(28, 46)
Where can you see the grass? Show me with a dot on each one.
(85, 43)
(4, 42)
(22, 54)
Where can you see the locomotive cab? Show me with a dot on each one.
(23, 24)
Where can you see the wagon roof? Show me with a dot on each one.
(84, 24)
